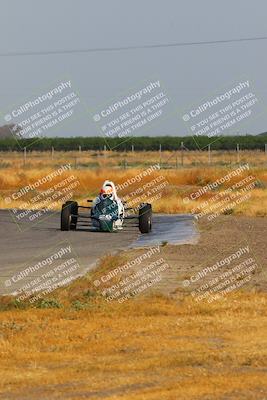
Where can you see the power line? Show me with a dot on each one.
(128, 48)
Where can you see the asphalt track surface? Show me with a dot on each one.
(29, 251)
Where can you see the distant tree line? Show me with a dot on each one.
(248, 142)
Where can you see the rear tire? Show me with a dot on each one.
(68, 222)
(145, 218)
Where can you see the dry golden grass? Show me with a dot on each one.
(147, 349)
(180, 181)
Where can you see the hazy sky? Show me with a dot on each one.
(189, 74)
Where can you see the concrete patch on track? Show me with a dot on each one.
(171, 229)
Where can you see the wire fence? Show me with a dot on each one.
(182, 158)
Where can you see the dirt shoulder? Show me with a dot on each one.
(220, 239)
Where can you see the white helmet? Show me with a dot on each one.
(108, 190)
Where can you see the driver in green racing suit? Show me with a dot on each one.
(107, 206)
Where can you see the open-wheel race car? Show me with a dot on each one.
(105, 216)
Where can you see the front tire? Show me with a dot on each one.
(68, 221)
(145, 218)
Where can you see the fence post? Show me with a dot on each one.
(52, 152)
(237, 149)
(182, 153)
(266, 149)
(24, 156)
(209, 154)
(132, 148)
(160, 156)
(80, 149)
